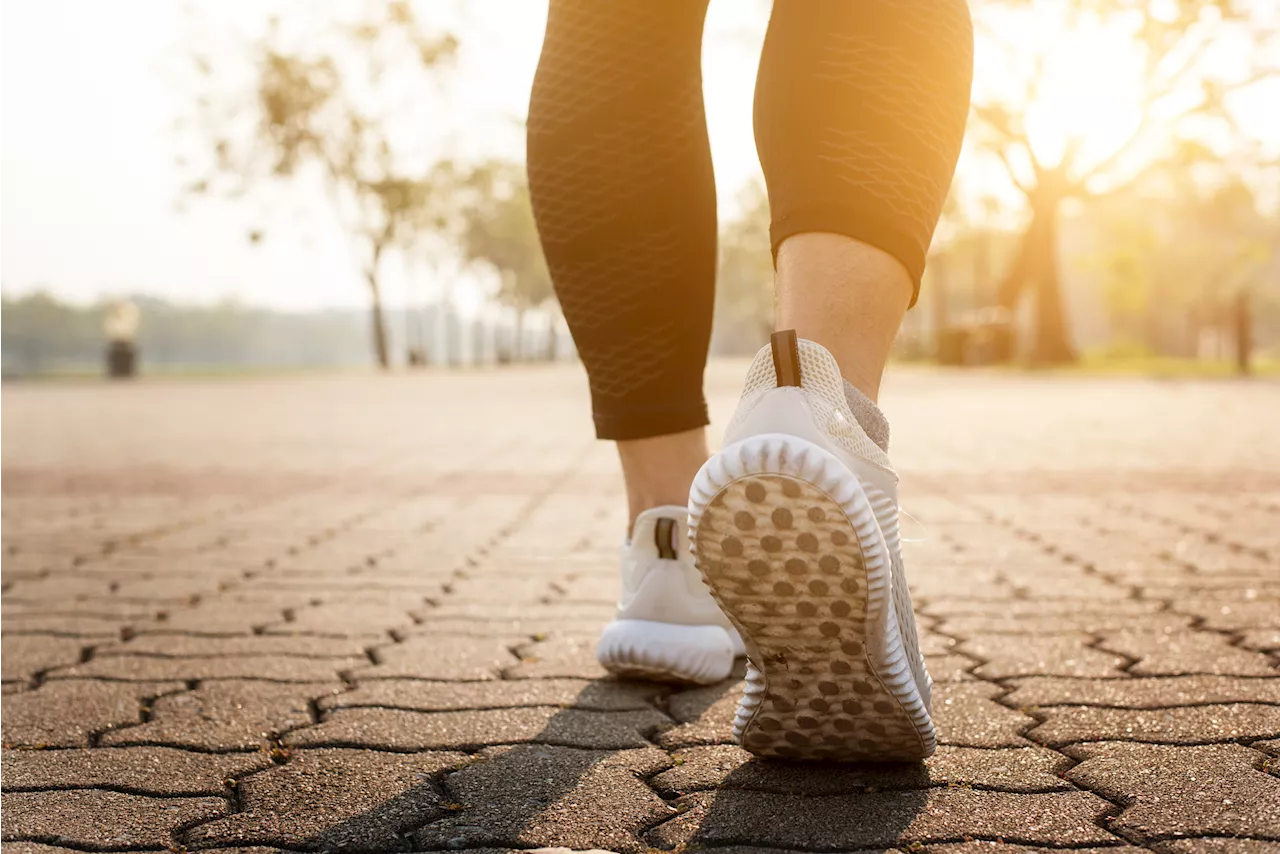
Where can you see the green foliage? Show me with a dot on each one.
(493, 221)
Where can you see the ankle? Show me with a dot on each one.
(659, 471)
(848, 296)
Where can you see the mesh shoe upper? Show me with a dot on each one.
(822, 390)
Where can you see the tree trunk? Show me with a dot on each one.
(1242, 317)
(379, 323)
(1052, 344)
(1036, 266)
(552, 328)
(517, 346)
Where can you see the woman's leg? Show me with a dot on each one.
(622, 187)
(860, 112)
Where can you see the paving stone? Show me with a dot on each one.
(602, 695)
(1188, 725)
(978, 846)
(886, 819)
(65, 713)
(966, 716)
(1219, 846)
(1232, 616)
(230, 715)
(1142, 693)
(441, 657)
(1079, 622)
(1266, 640)
(1176, 653)
(180, 646)
(504, 627)
(704, 715)
(394, 729)
(347, 619)
(147, 770)
(70, 625)
(221, 616)
(1209, 790)
(1026, 769)
(279, 668)
(23, 656)
(551, 796)
(94, 818)
(1049, 655)
(951, 667)
(334, 799)
(559, 657)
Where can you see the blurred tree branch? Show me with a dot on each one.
(310, 111)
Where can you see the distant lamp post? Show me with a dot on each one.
(121, 326)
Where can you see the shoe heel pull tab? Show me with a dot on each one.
(664, 537)
(786, 357)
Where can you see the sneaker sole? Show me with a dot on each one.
(665, 652)
(787, 541)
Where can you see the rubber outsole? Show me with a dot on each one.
(787, 541)
(666, 652)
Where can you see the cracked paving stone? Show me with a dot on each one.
(394, 729)
(441, 657)
(97, 819)
(559, 657)
(1206, 790)
(1177, 653)
(231, 715)
(551, 796)
(1023, 769)
(182, 646)
(1142, 693)
(66, 712)
(605, 695)
(23, 656)
(154, 770)
(334, 799)
(1049, 655)
(1185, 725)
(966, 716)
(148, 668)
(733, 816)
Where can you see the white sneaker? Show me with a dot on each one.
(795, 528)
(668, 627)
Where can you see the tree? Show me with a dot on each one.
(744, 286)
(1167, 69)
(496, 228)
(321, 106)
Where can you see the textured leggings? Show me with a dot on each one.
(859, 112)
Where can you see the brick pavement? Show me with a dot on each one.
(357, 613)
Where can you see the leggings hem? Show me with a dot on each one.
(858, 224)
(622, 426)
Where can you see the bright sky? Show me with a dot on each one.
(88, 99)
(90, 92)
